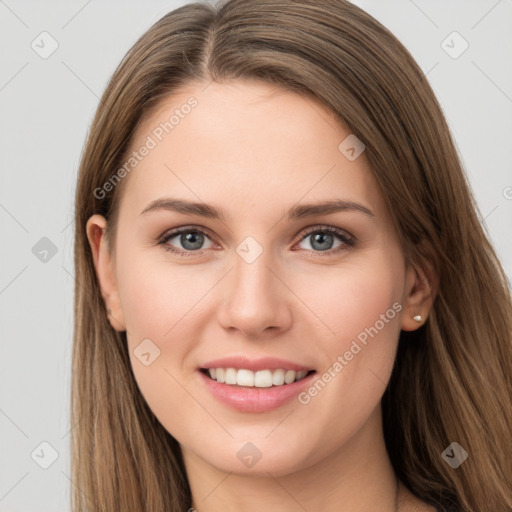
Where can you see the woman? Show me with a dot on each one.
(285, 299)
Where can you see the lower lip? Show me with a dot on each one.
(255, 399)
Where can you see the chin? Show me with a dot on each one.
(247, 459)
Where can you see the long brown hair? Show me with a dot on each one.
(452, 380)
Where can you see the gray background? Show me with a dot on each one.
(46, 108)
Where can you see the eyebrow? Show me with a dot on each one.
(296, 212)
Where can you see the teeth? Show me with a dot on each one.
(245, 378)
(230, 377)
(220, 374)
(278, 377)
(262, 379)
(259, 379)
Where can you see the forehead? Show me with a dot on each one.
(244, 143)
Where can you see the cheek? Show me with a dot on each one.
(156, 300)
(351, 298)
(156, 296)
(165, 304)
(360, 308)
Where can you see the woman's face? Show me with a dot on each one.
(273, 280)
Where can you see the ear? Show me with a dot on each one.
(421, 288)
(105, 270)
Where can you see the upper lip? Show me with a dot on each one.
(264, 363)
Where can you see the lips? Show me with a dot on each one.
(276, 382)
(254, 400)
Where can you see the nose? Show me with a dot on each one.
(256, 298)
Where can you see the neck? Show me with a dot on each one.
(357, 477)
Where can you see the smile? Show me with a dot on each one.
(259, 379)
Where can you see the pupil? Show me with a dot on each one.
(193, 238)
(321, 238)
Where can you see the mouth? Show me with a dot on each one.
(255, 391)
(245, 378)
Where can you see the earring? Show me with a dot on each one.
(417, 318)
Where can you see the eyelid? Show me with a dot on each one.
(177, 231)
(323, 227)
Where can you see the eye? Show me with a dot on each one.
(322, 238)
(192, 239)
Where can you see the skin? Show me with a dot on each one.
(255, 151)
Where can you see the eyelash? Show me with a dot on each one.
(348, 241)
